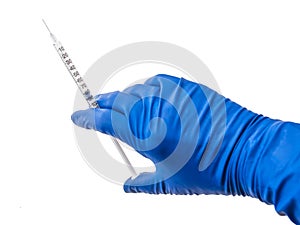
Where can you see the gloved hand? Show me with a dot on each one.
(201, 142)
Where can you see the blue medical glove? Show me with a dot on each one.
(201, 142)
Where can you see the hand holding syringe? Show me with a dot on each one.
(85, 91)
(236, 151)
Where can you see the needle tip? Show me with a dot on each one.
(46, 26)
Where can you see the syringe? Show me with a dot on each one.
(85, 91)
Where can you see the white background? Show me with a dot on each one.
(251, 47)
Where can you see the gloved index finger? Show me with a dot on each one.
(159, 79)
(142, 90)
(106, 100)
(118, 101)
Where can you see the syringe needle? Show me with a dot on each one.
(46, 26)
(51, 34)
(85, 91)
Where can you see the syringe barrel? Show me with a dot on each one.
(75, 75)
(86, 92)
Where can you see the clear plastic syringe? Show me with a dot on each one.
(85, 91)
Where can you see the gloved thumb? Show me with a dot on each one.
(94, 118)
(144, 183)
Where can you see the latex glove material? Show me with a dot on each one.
(202, 143)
